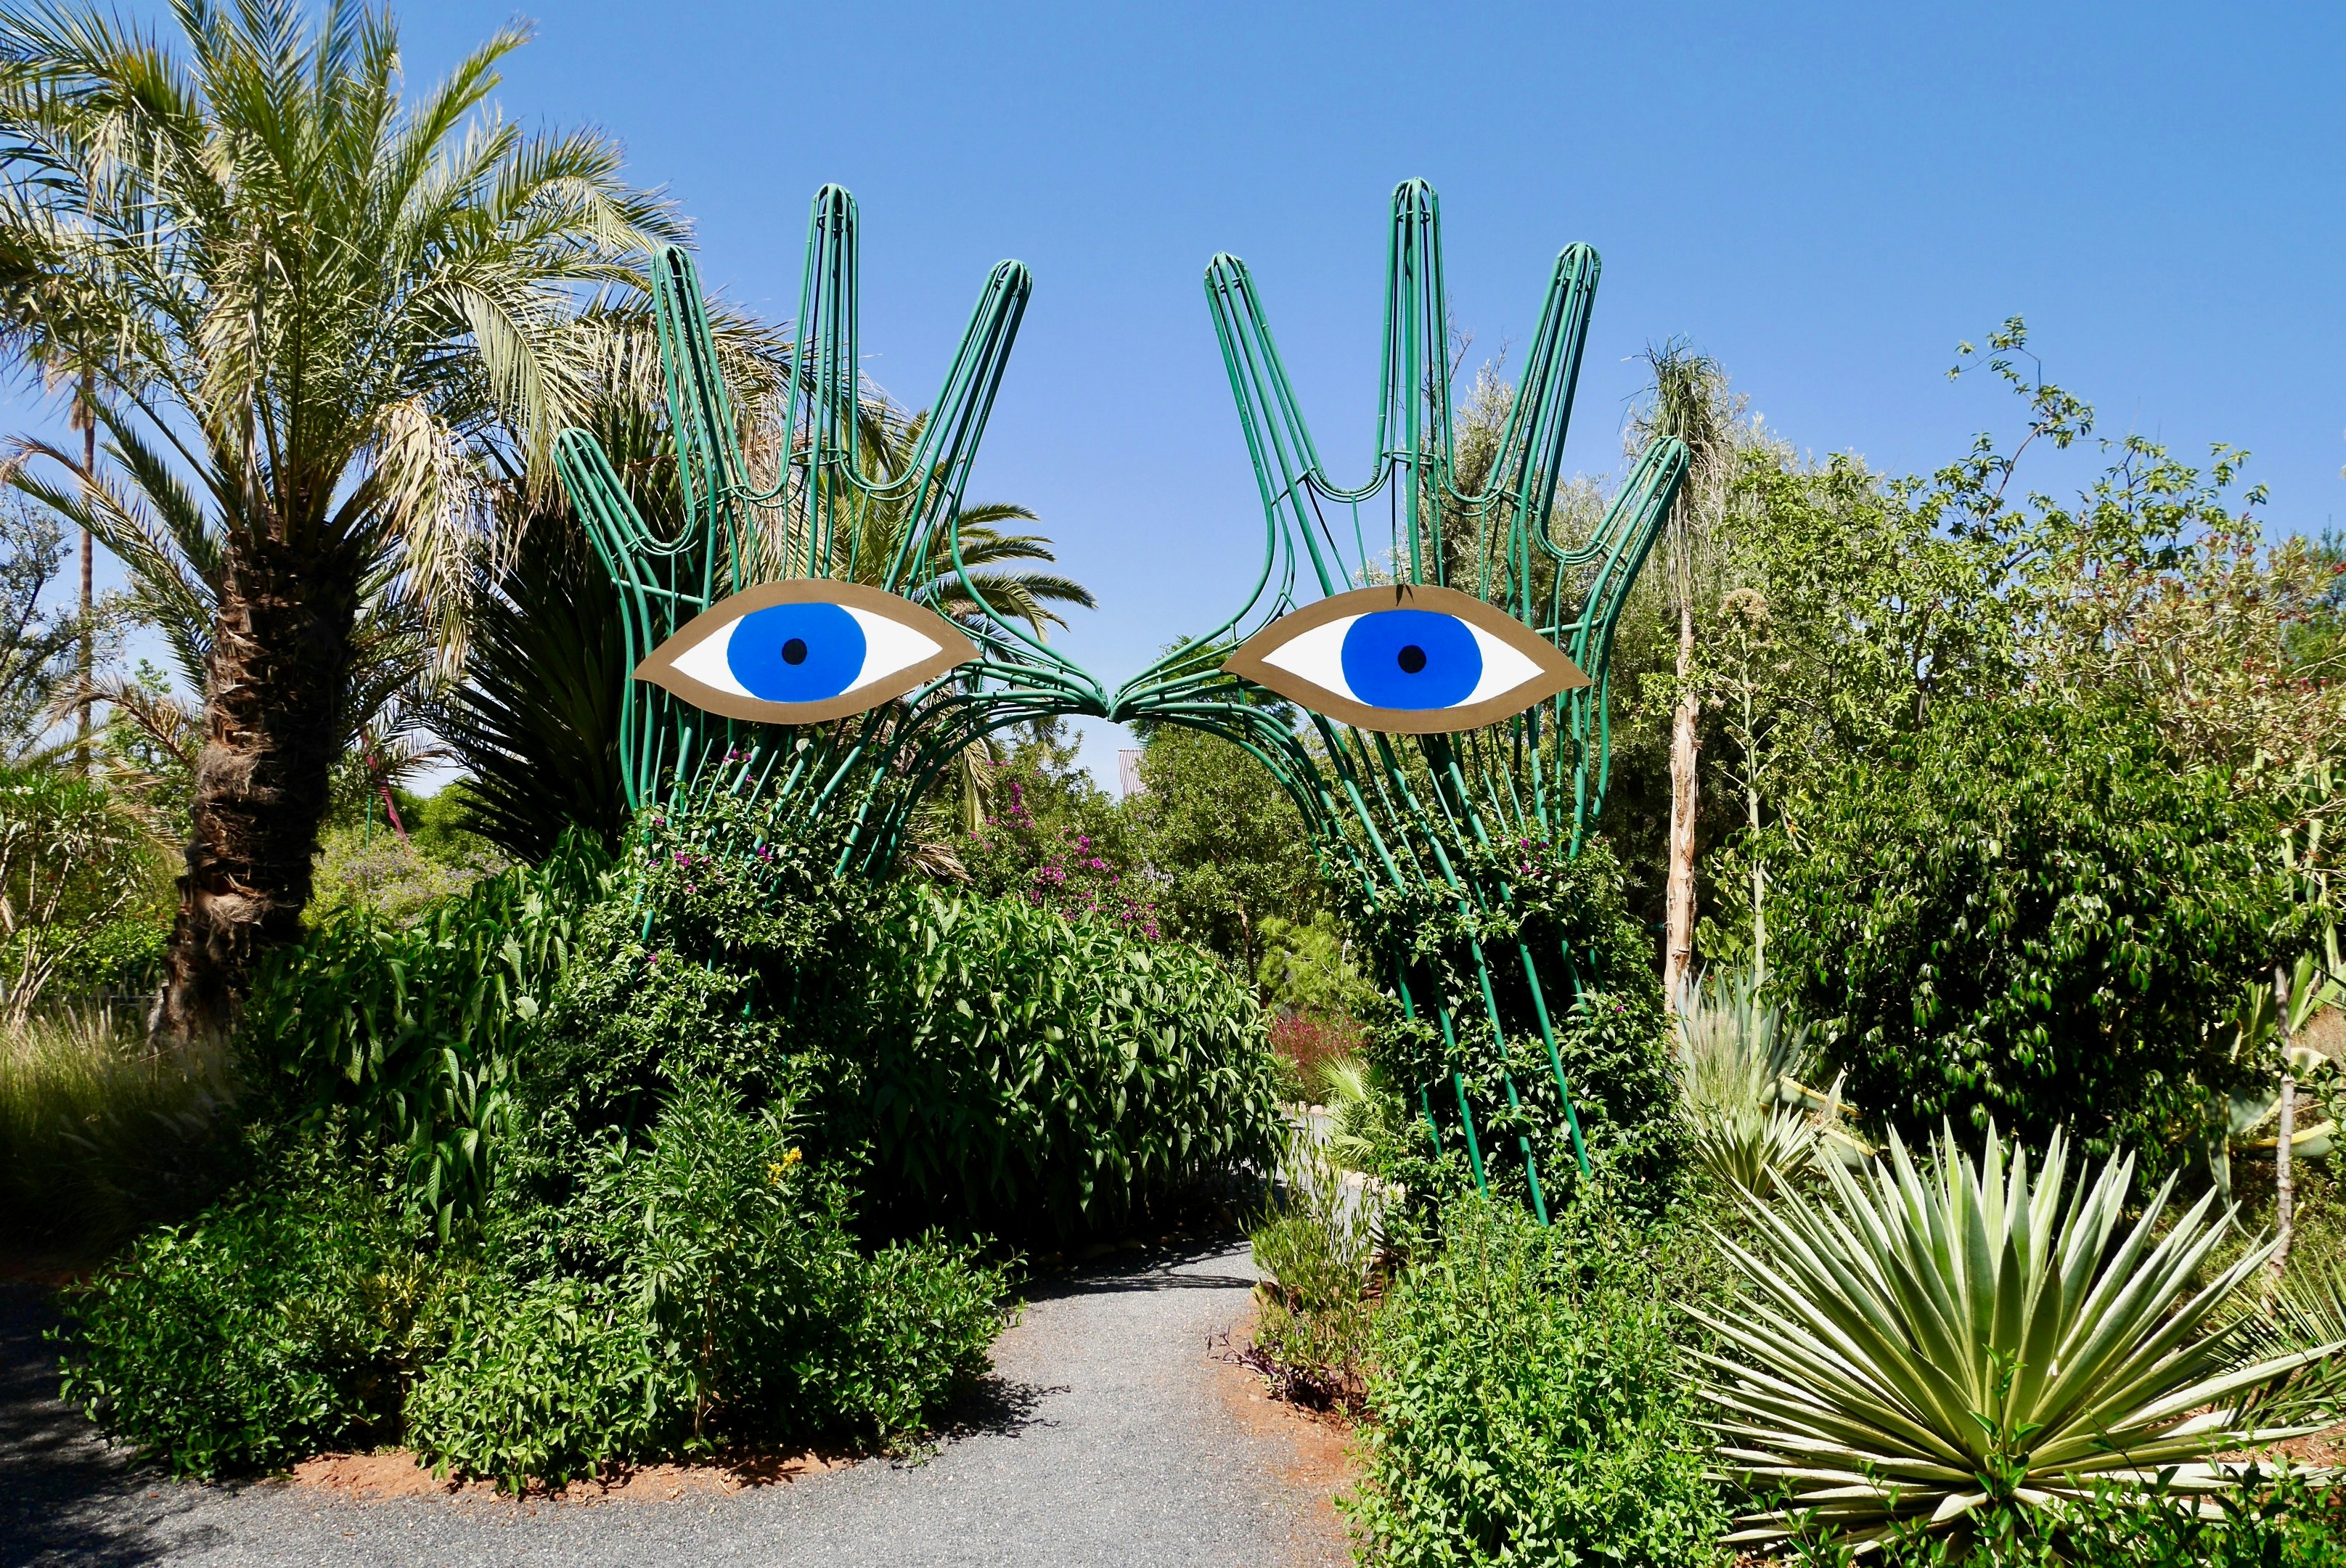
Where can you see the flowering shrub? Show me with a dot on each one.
(1308, 1044)
(1059, 868)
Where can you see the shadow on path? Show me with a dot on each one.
(1167, 1265)
(66, 1496)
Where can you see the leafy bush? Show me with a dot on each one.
(1001, 1068)
(76, 862)
(545, 1379)
(2029, 913)
(1311, 1334)
(702, 1290)
(2290, 1522)
(1029, 1075)
(1530, 1403)
(1604, 1003)
(1936, 1343)
(275, 1326)
(411, 1030)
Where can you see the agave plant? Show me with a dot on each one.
(1939, 1340)
(1739, 1068)
(2305, 1311)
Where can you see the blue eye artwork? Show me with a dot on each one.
(1407, 660)
(805, 651)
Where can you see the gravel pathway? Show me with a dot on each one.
(1107, 1436)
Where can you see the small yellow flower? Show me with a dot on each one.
(793, 1157)
(773, 1174)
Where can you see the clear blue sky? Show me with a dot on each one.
(1825, 198)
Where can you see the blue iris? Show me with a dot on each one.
(1411, 659)
(796, 653)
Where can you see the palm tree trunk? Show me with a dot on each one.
(1678, 951)
(275, 691)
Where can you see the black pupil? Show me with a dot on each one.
(794, 652)
(1412, 659)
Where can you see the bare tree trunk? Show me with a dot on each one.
(273, 722)
(89, 653)
(1677, 952)
(1752, 821)
(2284, 1173)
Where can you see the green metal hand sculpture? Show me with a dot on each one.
(1455, 619)
(817, 644)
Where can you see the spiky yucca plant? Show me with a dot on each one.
(1934, 1341)
(1736, 1055)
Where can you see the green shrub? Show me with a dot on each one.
(1530, 1404)
(1932, 1340)
(2029, 913)
(547, 1379)
(999, 1067)
(1568, 911)
(1311, 1326)
(1029, 1075)
(707, 1293)
(274, 1326)
(409, 1032)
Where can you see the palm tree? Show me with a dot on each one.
(322, 305)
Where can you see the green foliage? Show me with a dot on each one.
(1531, 1404)
(2029, 913)
(548, 1380)
(36, 644)
(1316, 1244)
(1308, 967)
(2290, 1520)
(413, 1030)
(1750, 1119)
(1226, 845)
(1001, 1067)
(1934, 1342)
(366, 868)
(1037, 1076)
(705, 954)
(536, 721)
(1611, 1039)
(1053, 862)
(76, 862)
(1046, 825)
(702, 1290)
(279, 1325)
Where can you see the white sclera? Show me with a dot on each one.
(1317, 656)
(889, 646)
(706, 661)
(1503, 668)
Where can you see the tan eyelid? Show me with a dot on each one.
(1557, 672)
(953, 650)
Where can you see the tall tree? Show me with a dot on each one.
(1690, 400)
(322, 302)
